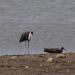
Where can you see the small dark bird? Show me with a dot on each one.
(26, 36)
(54, 50)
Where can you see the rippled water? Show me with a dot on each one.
(52, 21)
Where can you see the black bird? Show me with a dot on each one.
(26, 36)
(54, 50)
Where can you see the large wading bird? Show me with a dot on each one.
(26, 36)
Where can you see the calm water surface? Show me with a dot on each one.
(52, 21)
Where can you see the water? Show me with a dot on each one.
(52, 21)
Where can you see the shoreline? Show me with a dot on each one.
(35, 54)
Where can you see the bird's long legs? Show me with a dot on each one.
(28, 47)
(25, 45)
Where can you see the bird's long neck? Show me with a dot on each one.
(30, 36)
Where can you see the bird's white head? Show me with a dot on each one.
(30, 35)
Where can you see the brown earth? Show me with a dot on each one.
(37, 64)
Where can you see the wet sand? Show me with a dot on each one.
(37, 64)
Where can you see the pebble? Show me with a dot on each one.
(60, 56)
(13, 57)
(50, 59)
(26, 67)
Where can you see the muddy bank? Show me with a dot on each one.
(38, 64)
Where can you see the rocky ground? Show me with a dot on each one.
(38, 64)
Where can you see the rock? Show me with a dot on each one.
(69, 61)
(50, 60)
(26, 67)
(13, 57)
(60, 56)
(41, 65)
